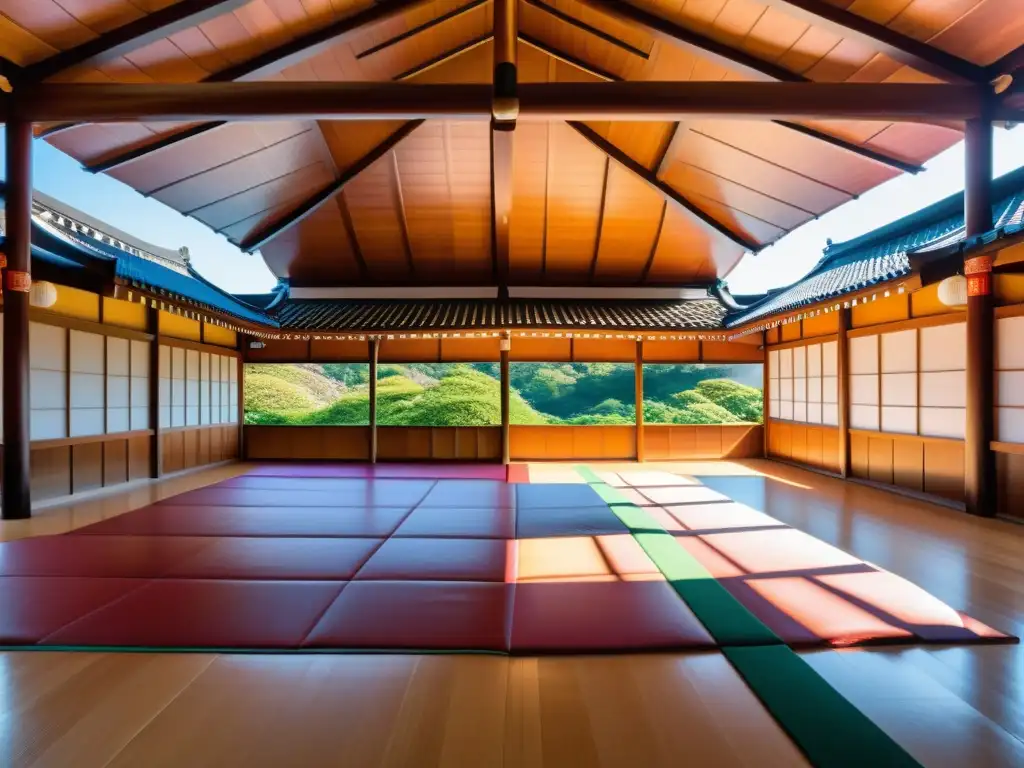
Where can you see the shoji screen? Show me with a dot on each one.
(165, 387)
(177, 387)
(943, 391)
(1010, 379)
(204, 387)
(197, 388)
(118, 385)
(802, 384)
(864, 396)
(899, 382)
(48, 381)
(233, 378)
(139, 395)
(191, 388)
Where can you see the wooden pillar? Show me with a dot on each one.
(639, 376)
(843, 390)
(506, 344)
(240, 362)
(373, 355)
(156, 460)
(979, 461)
(765, 396)
(17, 494)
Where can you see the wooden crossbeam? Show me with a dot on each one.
(1008, 65)
(896, 45)
(131, 36)
(314, 201)
(669, 193)
(632, 101)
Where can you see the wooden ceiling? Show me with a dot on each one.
(598, 203)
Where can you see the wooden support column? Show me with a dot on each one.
(639, 376)
(504, 111)
(506, 344)
(17, 494)
(373, 355)
(843, 390)
(240, 384)
(979, 461)
(765, 396)
(156, 460)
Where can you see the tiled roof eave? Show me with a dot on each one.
(160, 293)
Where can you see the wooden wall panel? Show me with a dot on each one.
(278, 350)
(179, 327)
(529, 349)
(138, 458)
(790, 331)
(730, 352)
(712, 441)
(484, 350)
(115, 462)
(86, 467)
(944, 469)
(859, 456)
(568, 443)
(889, 310)
(410, 350)
(353, 443)
(51, 472)
(671, 351)
(1010, 484)
(336, 443)
(604, 350)
(908, 464)
(810, 444)
(880, 450)
(820, 325)
(339, 350)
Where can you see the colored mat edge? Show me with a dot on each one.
(826, 726)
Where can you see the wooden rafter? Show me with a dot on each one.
(503, 125)
(398, 200)
(897, 46)
(654, 246)
(600, 216)
(443, 57)
(318, 198)
(709, 48)
(437, 20)
(1008, 65)
(136, 34)
(555, 53)
(589, 29)
(637, 169)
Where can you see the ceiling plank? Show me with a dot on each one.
(314, 201)
(654, 246)
(452, 14)
(895, 45)
(707, 221)
(718, 52)
(600, 217)
(555, 53)
(398, 200)
(131, 36)
(443, 57)
(582, 25)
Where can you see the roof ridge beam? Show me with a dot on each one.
(131, 36)
(668, 192)
(720, 53)
(897, 46)
(437, 20)
(305, 208)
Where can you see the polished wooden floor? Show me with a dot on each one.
(948, 706)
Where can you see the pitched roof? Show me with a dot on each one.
(884, 253)
(433, 315)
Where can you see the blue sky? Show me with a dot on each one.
(789, 259)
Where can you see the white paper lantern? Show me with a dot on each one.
(953, 291)
(42, 294)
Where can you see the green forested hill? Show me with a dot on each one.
(458, 394)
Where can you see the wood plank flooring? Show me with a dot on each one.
(952, 707)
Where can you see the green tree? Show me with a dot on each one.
(746, 403)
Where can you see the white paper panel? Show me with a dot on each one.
(799, 362)
(944, 347)
(899, 419)
(86, 352)
(225, 416)
(814, 413)
(118, 391)
(86, 421)
(165, 416)
(786, 389)
(830, 389)
(800, 390)
(943, 422)
(786, 410)
(899, 352)
(774, 410)
(86, 390)
(864, 354)
(814, 389)
(864, 389)
(773, 364)
(192, 365)
(799, 411)
(192, 415)
(140, 418)
(1010, 343)
(814, 360)
(177, 393)
(47, 347)
(140, 392)
(899, 389)
(117, 356)
(47, 389)
(829, 358)
(140, 358)
(177, 363)
(177, 415)
(118, 420)
(47, 424)
(945, 388)
(1009, 387)
(864, 417)
(232, 368)
(165, 362)
(1010, 425)
(830, 414)
(785, 363)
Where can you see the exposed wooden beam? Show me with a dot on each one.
(504, 111)
(353, 239)
(1008, 65)
(666, 151)
(9, 70)
(632, 101)
(443, 57)
(502, 141)
(707, 221)
(555, 53)
(654, 246)
(895, 45)
(709, 48)
(136, 34)
(857, 149)
(600, 217)
(310, 204)
(452, 14)
(582, 25)
(398, 200)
